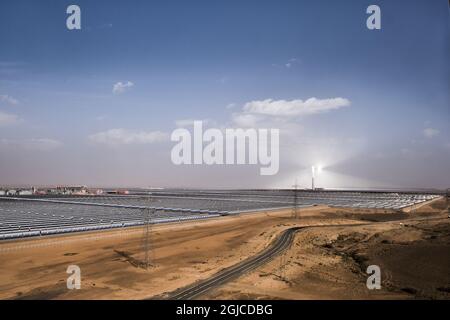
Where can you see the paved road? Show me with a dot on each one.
(233, 272)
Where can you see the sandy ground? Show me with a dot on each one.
(325, 262)
(413, 254)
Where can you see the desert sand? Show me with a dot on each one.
(413, 253)
(326, 261)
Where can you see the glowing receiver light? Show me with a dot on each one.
(315, 170)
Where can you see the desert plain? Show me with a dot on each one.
(327, 259)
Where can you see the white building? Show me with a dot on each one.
(25, 192)
(75, 190)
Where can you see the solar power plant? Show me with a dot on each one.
(382, 200)
(40, 216)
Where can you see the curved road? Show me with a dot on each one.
(233, 272)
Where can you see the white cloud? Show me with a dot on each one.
(231, 105)
(246, 120)
(8, 99)
(282, 114)
(298, 107)
(7, 119)
(40, 144)
(291, 62)
(190, 122)
(114, 137)
(184, 122)
(43, 144)
(120, 87)
(288, 64)
(430, 132)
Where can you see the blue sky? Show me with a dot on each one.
(206, 60)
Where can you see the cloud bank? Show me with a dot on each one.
(40, 144)
(7, 119)
(286, 108)
(8, 99)
(115, 137)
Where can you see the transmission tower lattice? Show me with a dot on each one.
(448, 201)
(295, 207)
(147, 213)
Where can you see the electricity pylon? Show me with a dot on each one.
(448, 201)
(146, 237)
(147, 213)
(295, 207)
